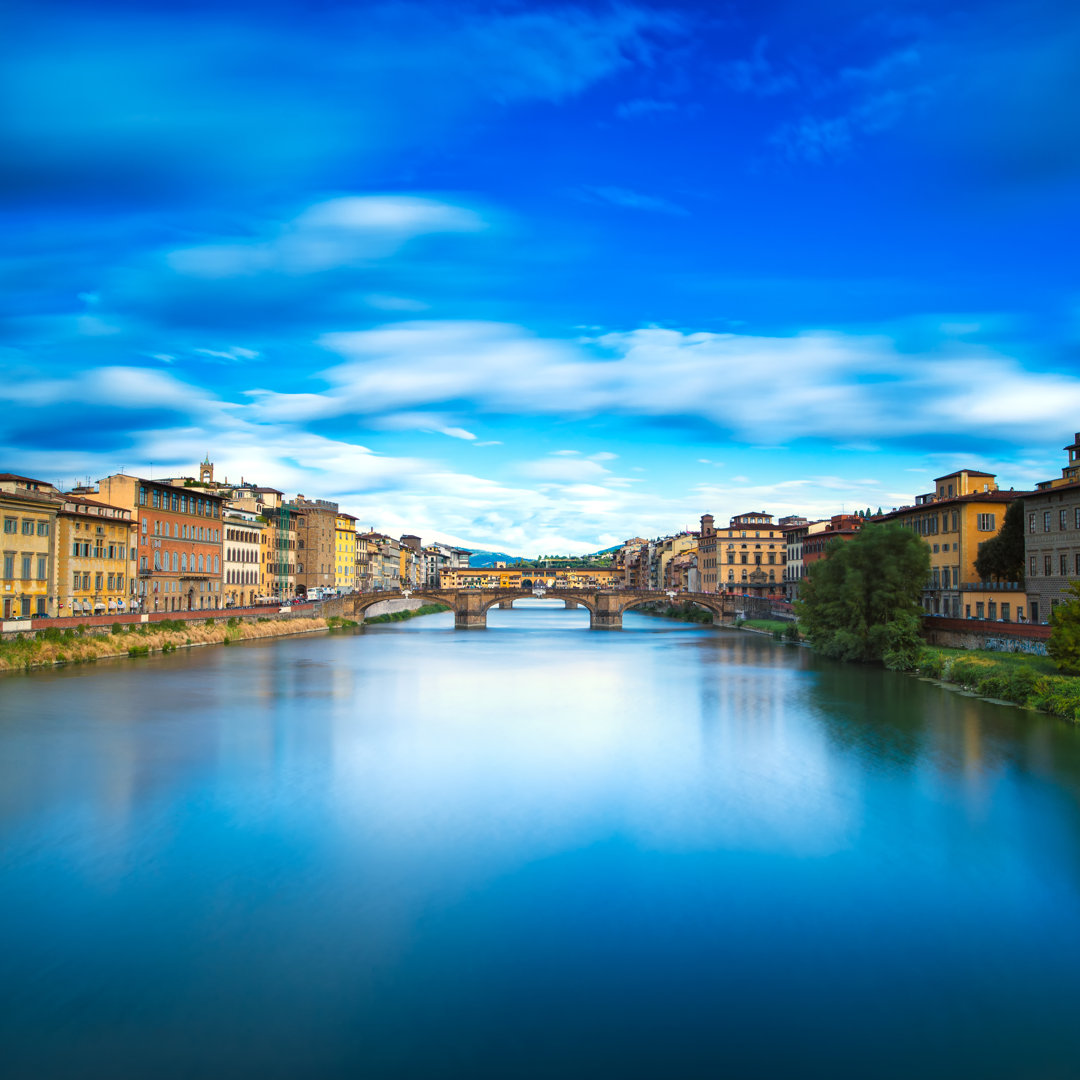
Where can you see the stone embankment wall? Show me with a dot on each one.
(980, 634)
(103, 624)
(389, 606)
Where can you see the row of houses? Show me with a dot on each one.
(759, 556)
(128, 543)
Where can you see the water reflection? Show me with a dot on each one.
(533, 851)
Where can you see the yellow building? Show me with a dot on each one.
(96, 552)
(746, 558)
(527, 578)
(965, 509)
(28, 567)
(345, 553)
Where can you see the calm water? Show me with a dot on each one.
(535, 851)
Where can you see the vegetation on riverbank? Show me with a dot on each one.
(400, 616)
(682, 612)
(1032, 681)
(861, 602)
(78, 646)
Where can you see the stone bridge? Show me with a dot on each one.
(470, 606)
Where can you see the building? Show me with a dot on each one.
(316, 536)
(1052, 537)
(820, 534)
(28, 508)
(747, 557)
(410, 570)
(345, 553)
(96, 553)
(383, 560)
(795, 530)
(179, 542)
(242, 556)
(670, 548)
(279, 549)
(707, 562)
(965, 509)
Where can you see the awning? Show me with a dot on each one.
(100, 605)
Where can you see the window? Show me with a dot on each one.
(120, 582)
(97, 582)
(27, 527)
(86, 581)
(1031, 521)
(1046, 521)
(175, 562)
(43, 528)
(987, 522)
(1048, 568)
(1004, 612)
(1031, 567)
(42, 567)
(1063, 519)
(27, 565)
(76, 577)
(991, 609)
(1063, 564)
(112, 582)
(142, 496)
(1076, 517)
(979, 610)
(157, 560)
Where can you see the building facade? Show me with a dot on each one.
(965, 509)
(750, 556)
(316, 535)
(28, 510)
(242, 556)
(345, 553)
(1052, 537)
(96, 553)
(179, 542)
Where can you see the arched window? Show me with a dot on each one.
(183, 562)
(217, 564)
(174, 562)
(157, 560)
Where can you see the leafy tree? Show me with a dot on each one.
(1064, 643)
(861, 602)
(1001, 558)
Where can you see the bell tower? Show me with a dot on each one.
(206, 471)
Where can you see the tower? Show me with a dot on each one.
(206, 471)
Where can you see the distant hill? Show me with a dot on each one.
(480, 559)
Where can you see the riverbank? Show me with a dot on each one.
(405, 613)
(1033, 682)
(55, 647)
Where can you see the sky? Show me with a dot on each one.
(537, 277)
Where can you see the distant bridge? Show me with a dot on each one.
(605, 607)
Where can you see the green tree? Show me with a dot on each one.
(861, 602)
(1064, 643)
(1001, 558)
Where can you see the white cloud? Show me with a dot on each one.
(631, 200)
(810, 385)
(457, 433)
(349, 231)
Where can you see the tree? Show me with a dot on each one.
(861, 602)
(1001, 558)
(1064, 643)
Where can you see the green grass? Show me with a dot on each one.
(1031, 681)
(772, 625)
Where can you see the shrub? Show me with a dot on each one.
(791, 631)
(117, 629)
(138, 650)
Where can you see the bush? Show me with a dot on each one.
(138, 650)
(117, 629)
(791, 632)
(209, 622)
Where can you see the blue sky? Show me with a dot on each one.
(537, 277)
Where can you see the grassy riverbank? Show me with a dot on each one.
(400, 616)
(1031, 681)
(76, 646)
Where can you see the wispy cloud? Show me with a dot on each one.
(631, 200)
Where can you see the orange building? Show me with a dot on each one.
(179, 546)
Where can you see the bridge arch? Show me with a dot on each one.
(360, 603)
(715, 604)
(500, 595)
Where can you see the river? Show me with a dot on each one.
(531, 851)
